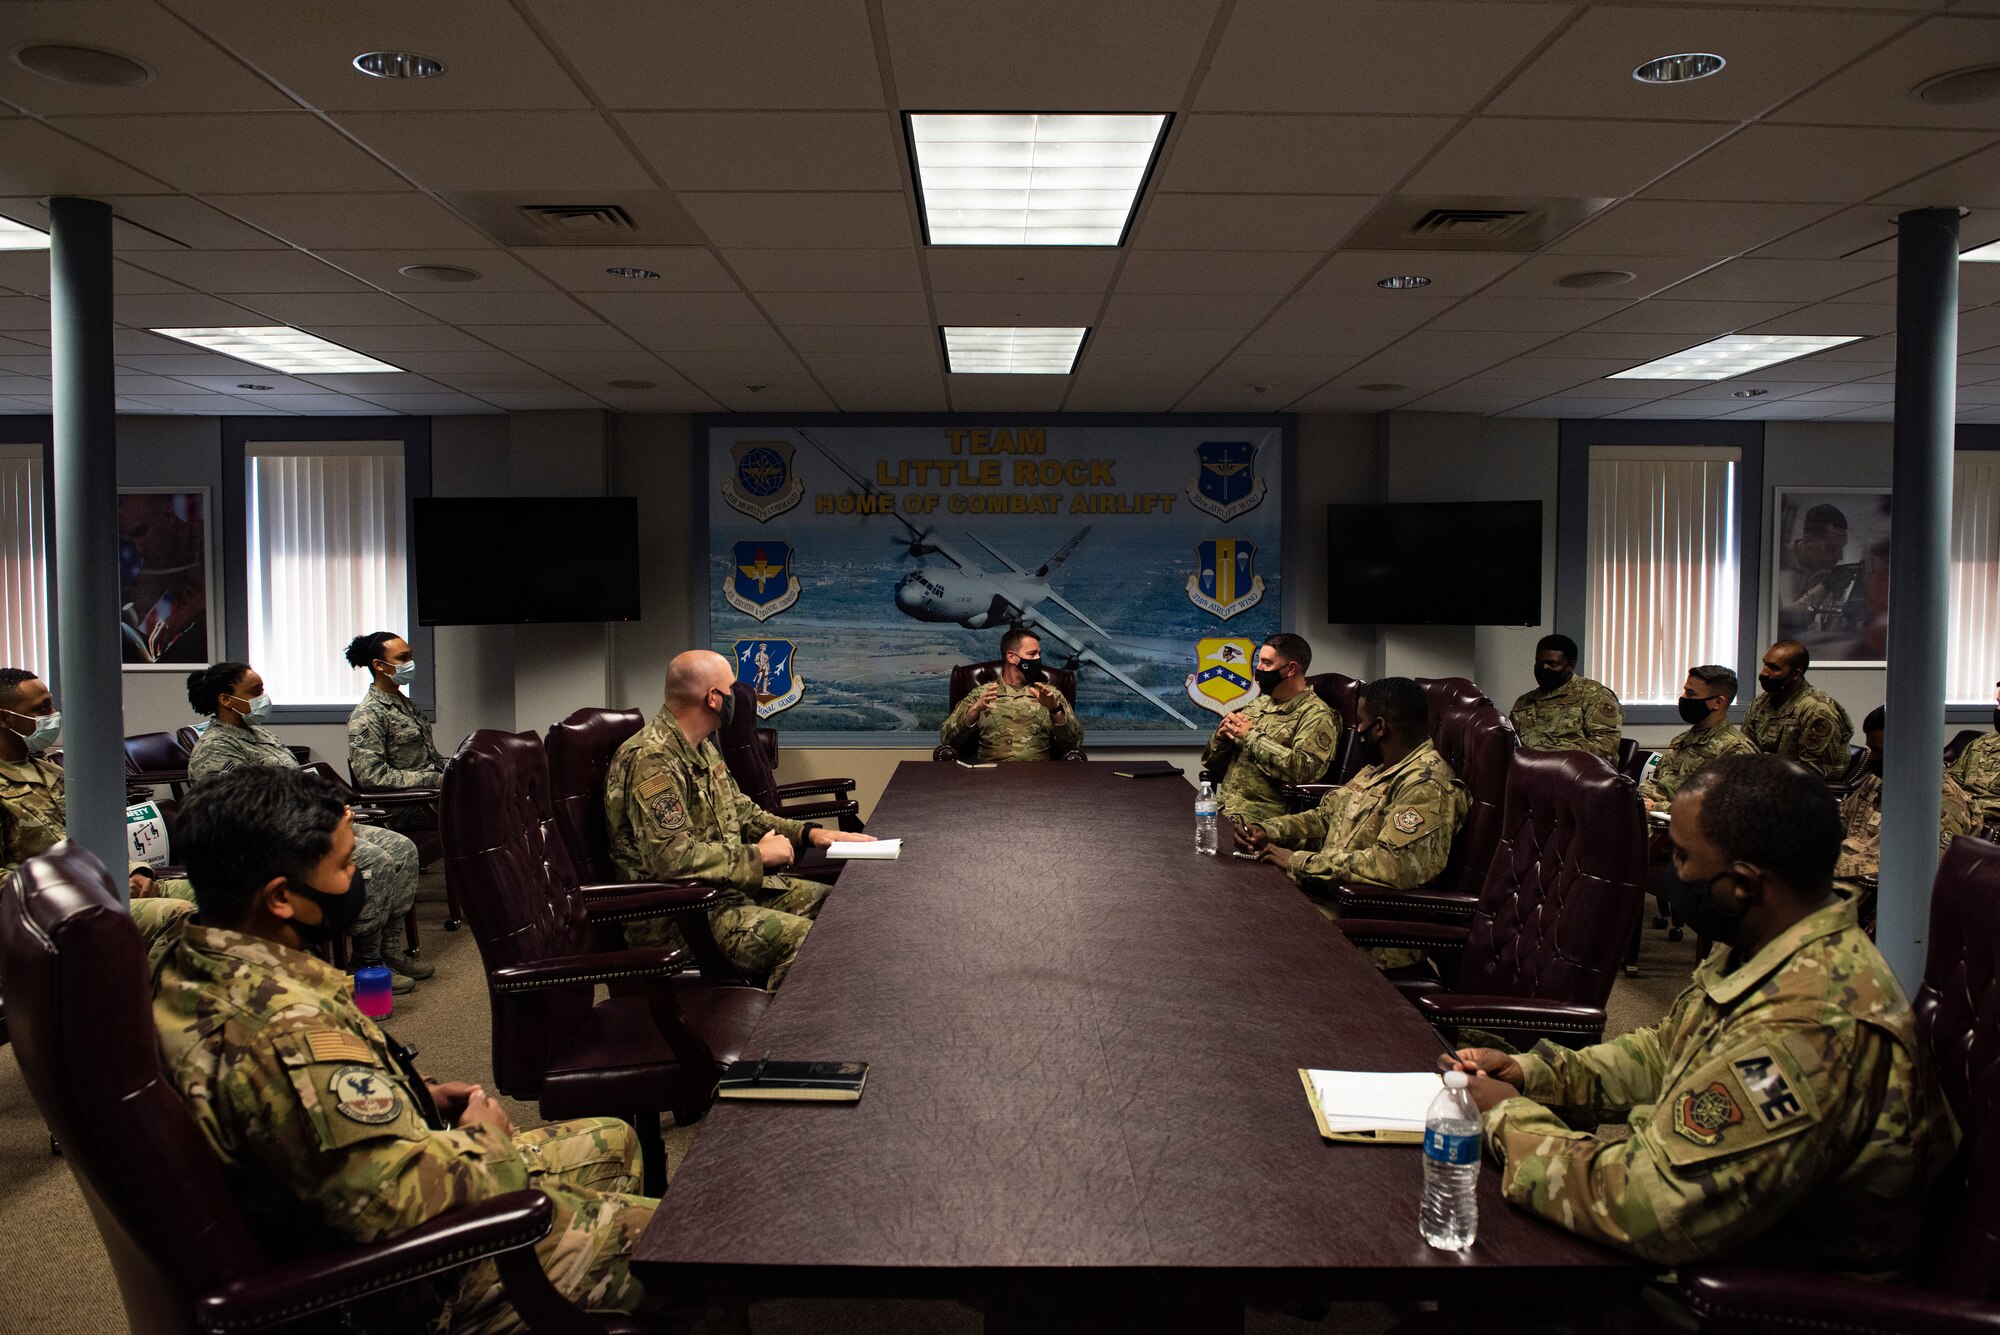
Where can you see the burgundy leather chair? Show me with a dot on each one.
(1342, 695)
(1857, 768)
(81, 1011)
(969, 677)
(1447, 694)
(1956, 1283)
(750, 763)
(579, 756)
(659, 1041)
(1963, 738)
(1561, 898)
(369, 809)
(153, 759)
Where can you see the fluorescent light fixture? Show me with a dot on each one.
(1733, 355)
(997, 350)
(1030, 179)
(283, 348)
(1986, 254)
(20, 236)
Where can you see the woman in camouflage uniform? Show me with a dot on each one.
(388, 738)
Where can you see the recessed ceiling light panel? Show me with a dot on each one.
(283, 348)
(1398, 282)
(627, 271)
(1030, 179)
(1986, 254)
(398, 65)
(1001, 350)
(1683, 68)
(82, 64)
(20, 236)
(1733, 355)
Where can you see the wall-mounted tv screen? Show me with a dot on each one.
(1465, 563)
(507, 561)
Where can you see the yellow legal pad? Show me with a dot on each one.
(1395, 1102)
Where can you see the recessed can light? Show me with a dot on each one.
(1384, 388)
(1683, 68)
(1960, 88)
(1596, 278)
(398, 65)
(631, 384)
(627, 271)
(1749, 393)
(439, 273)
(259, 388)
(1399, 281)
(82, 64)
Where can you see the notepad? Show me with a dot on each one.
(880, 850)
(812, 1082)
(984, 764)
(1148, 769)
(1371, 1107)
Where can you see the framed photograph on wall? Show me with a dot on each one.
(1830, 572)
(166, 614)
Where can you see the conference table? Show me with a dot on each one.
(1083, 1104)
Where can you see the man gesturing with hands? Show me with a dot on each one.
(1020, 716)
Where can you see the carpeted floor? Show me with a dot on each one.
(59, 1281)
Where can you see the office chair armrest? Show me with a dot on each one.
(511, 1222)
(818, 810)
(672, 896)
(1421, 904)
(838, 788)
(400, 797)
(943, 752)
(1514, 1017)
(610, 966)
(1416, 935)
(367, 814)
(1743, 1298)
(1076, 754)
(688, 901)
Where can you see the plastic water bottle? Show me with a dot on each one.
(1449, 1215)
(1207, 820)
(373, 995)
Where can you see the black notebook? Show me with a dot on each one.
(1147, 769)
(833, 1082)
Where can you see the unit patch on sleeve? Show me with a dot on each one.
(1409, 820)
(363, 1094)
(1703, 1115)
(1770, 1093)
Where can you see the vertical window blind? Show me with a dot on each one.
(327, 560)
(1973, 662)
(24, 562)
(1664, 567)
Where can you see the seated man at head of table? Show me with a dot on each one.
(1020, 716)
(1977, 770)
(1704, 706)
(1567, 711)
(1391, 825)
(1286, 736)
(675, 813)
(1861, 816)
(1794, 718)
(325, 1131)
(1784, 1111)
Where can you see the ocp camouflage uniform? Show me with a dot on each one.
(1811, 727)
(1579, 715)
(1390, 826)
(675, 813)
(1014, 727)
(323, 1138)
(1977, 771)
(34, 817)
(1861, 825)
(1289, 743)
(1782, 1113)
(389, 746)
(160, 921)
(388, 860)
(1686, 756)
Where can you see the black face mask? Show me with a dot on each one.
(728, 708)
(1692, 710)
(1369, 749)
(1875, 763)
(1692, 903)
(1773, 685)
(1268, 678)
(1032, 671)
(337, 913)
(1996, 718)
(1549, 678)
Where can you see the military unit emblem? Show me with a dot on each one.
(769, 669)
(363, 1094)
(1703, 1115)
(761, 583)
(1225, 581)
(1227, 483)
(1221, 679)
(762, 482)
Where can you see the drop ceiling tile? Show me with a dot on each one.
(1037, 309)
(1877, 89)
(748, 367)
(1549, 314)
(1346, 396)
(1842, 357)
(1353, 274)
(662, 309)
(890, 394)
(252, 154)
(543, 401)
(220, 404)
(189, 73)
(1331, 328)
(38, 367)
(1710, 319)
(1667, 409)
(480, 382)
(790, 394)
(1685, 227)
(770, 150)
(184, 311)
(1570, 407)
(1735, 391)
(1209, 344)
(1772, 55)
(1539, 275)
(37, 161)
(502, 150)
(1504, 383)
(710, 337)
(1972, 182)
(1573, 369)
(367, 386)
(1814, 163)
(529, 339)
(779, 219)
(1645, 390)
(329, 310)
(1249, 222)
(306, 403)
(1308, 155)
(27, 271)
(158, 222)
(1356, 55)
(870, 366)
(1562, 158)
(255, 375)
(1447, 353)
(1221, 395)
(1007, 393)
(1631, 349)
(1846, 394)
(1458, 399)
(124, 383)
(354, 221)
(579, 367)
(415, 337)
(497, 270)
(776, 53)
(230, 271)
(1756, 279)
(1839, 317)
(192, 363)
(1864, 233)
(846, 270)
(1021, 268)
(1134, 310)
(584, 268)
(863, 340)
(1264, 382)
(491, 57)
(493, 308)
(431, 403)
(1246, 272)
(1112, 55)
(661, 400)
(894, 308)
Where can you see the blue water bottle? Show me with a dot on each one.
(372, 991)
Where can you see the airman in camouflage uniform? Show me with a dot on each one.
(1684, 757)
(389, 746)
(1782, 1112)
(1289, 743)
(1977, 771)
(1795, 719)
(323, 1134)
(1015, 724)
(1579, 715)
(1861, 820)
(34, 817)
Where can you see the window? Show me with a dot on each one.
(1973, 662)
(327, 560)
(1664, 567)
(24, 561)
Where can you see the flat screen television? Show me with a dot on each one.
(509, 561)
(1458, 563)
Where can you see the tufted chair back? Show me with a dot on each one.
(80, 1012)
(518, 890)
(1342, 695)
(1446, 695)
(1565, 887)
(744, 751)
(1958, 1016)
(1478, 743)
(967, 677)
(579, 756)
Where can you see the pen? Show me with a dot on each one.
(762, 1062)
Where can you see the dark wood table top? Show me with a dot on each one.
(1084, 1041)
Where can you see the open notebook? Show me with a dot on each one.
(1372, 1107)
(884, 850)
